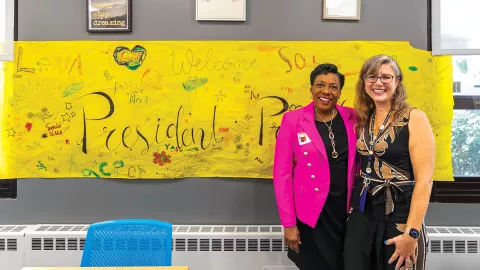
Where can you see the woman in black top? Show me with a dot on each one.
(322, 246)
(396, 149)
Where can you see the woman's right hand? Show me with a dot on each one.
(292, 238)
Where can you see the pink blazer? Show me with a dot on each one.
(301, 173)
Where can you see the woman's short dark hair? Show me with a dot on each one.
(325, 69)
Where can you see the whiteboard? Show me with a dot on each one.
(221, 10)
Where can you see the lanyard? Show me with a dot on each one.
(371, 145)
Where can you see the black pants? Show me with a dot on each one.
(316, 252)
(365, 248)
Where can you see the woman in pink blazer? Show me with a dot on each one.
(313, 173)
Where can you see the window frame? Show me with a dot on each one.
(10, 10)
(433, 7)
(463, 189)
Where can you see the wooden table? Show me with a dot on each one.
(109, 268)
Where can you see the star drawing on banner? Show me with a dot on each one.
(220, 96)
(68, 105)
(11, 132)
(73, 114)
(66, 117)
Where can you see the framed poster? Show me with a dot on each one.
(109, 15)
(341, 9)
(221, 10)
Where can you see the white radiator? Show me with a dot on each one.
(453, 248)
(215, 247)
(200, 247)
(12, 247)
(54, 245)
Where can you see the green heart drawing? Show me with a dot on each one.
(132, 59)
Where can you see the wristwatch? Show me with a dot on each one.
(414, 233)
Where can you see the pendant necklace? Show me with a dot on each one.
(330, 133)
(371, 144)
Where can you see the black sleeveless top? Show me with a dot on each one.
(390, 191)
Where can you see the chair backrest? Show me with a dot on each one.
(128, 242)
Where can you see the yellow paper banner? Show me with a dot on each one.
(174, 109)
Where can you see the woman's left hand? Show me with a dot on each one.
(405, 247)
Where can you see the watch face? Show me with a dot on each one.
(414, 233)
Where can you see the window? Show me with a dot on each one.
(455, 27)
(466, 74)
(453, 30)
(466, 143)
(466, 115)
(7, 19)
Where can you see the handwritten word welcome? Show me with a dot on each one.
(191, 61)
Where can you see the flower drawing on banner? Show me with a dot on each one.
(162, 158)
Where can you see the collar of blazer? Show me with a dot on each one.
(309, 124)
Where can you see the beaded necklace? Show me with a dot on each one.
(330, 133)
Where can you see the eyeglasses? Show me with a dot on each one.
(383, 78)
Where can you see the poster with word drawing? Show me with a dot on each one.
(221, 10)
(177, 109)
(109, 15)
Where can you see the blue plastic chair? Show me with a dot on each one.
(128, 242)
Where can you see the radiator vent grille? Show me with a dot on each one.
(8, 244)
(60, 228)
(72, 243)
(472, 246)
(447, 246)
(204, 244)
(60, 244)
(265, 245)
(216, 244)
(82, 243)
(192, 245)
(57, 244)
(179, 244)
(459, 246)
(199, 238)
(436, 246)
(241, 245)
(4, 229)
(228, 244)
(48, 244)
(11, 244)
(36, 243)
(252, 245)
(450, 246)
(226, 229)
(454, 230)
(277, 245)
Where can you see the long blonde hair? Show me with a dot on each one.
(364, 103)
